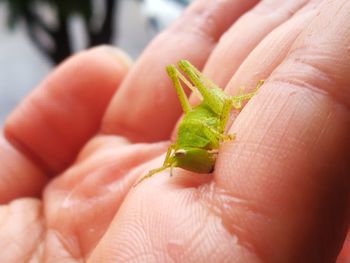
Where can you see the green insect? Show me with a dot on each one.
(202, 127)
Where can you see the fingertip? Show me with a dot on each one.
(122, 57)
(65, 110)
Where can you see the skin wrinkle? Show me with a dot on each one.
(288, 8)
(152, 234)
(265, 58)
(308, 84)
(206, 23)
(141, 233)
(211, 198)
(86, 252)
(100, 143)
(73, 236)
(297, 137)
(326, 77)
(210, 243)
(11, 208)
(266, 132)
(302, 17)
(73, 251)
(202, 232)
(133, 156)
(108, 165)
(33, 251)
(79, 237)
(35, 138)
(19, 244)
(76, 232)
(123, 128)
(139, 238)
(37, 253)
(138, 254)
(156, 221)
(306, 65)
(280, 111)
(16, 167)
(220, 53)
(189, 244)
(284, 132)
(340, 8)
(292, 141)
(322, 131)
(195, 238)
(313, 63)
(29, 154)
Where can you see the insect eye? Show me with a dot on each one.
(180, 153)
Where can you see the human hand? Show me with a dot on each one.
(279, 192)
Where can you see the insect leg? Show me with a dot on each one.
(237, 100)
(189, 85)
(151, 173)
(207, 82)
(171, 169)
(173, 74)
(259, 84)
(168, 153)
(204, 86)
(225, 114)
(166, 164)
(213, 135)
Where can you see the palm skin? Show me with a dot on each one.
(278, 193)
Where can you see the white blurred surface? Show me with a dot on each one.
(22, 66)
(161, 12)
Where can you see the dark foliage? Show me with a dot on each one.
(53, 39)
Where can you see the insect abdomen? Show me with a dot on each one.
(196, 160)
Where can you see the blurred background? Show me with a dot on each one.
(36, 35)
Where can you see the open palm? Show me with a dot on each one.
(279, 192)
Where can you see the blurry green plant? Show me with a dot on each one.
(53, 38)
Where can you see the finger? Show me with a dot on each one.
(279, 33)
(146, 95)
(52, 124)
(344, 255)
(286, 22)
(236, 44)
(271, 51)
(89, 193)
(22, 226)
(283, 184)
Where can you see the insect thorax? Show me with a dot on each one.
(193, 128)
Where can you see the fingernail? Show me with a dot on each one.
(118, 54)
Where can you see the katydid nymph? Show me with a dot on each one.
(202, 127)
